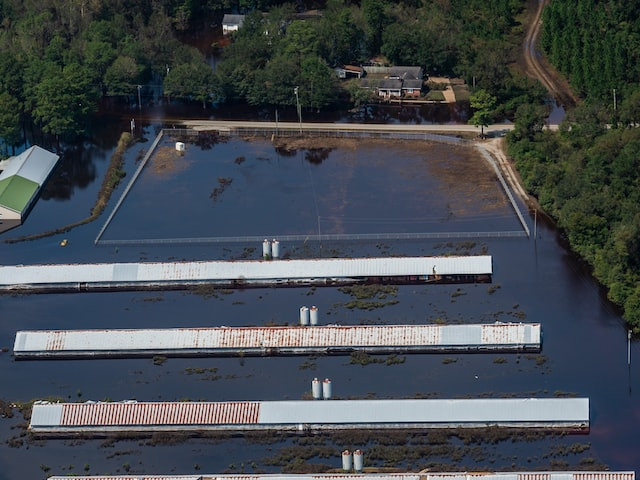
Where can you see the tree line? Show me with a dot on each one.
(587, 175)
(58, 58)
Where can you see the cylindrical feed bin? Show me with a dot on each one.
(304, 316)
(346, 461)
(275, 249)
(358, 461)
(266, 249)
(316, 389)
(326, 389)
(313, 315)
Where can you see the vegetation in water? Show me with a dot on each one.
(586, 176)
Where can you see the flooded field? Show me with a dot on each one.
(251, 187)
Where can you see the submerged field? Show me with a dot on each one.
(240, 187)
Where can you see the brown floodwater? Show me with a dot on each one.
(242, 187)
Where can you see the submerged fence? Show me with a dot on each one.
(273, 132)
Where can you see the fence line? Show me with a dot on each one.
(268, 132)
(493, 163)
(291, 132)
(129, 186)
(319, 238)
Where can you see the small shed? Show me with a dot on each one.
(231, 23)
(21, 179)
(349, 71)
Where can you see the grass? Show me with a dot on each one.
(435, 96)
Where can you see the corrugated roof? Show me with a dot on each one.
(558, 475)
(33, 164)
(245, 270)
(246, 338)
(16, 193)
(315, 414)
(160, 413)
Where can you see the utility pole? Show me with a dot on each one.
(295, 91)
(615, 103)
(139, 101)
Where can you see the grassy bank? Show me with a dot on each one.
(111, 180)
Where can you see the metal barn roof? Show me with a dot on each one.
(556, 475)
(22, 177)
(33, 164)
(308, 415)
(245, 271)
(276, 340)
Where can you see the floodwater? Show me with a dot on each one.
(264, 190)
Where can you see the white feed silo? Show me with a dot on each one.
(316, 389)
(346, 461)
(313, 315)
(358, 461)
(326, 389)
(304, 316)
(275, 249)
(266, 249)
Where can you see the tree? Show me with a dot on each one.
(64, 101)
(318, 83)
(9, 120)
(483, 103)
(194, 80)
(122, 76)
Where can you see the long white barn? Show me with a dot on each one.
(556, 475)
(302, 416)
(263, 341)
(105, 276)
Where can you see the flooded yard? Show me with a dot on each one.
(251, 187)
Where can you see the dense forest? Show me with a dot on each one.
(587, 176)
(469, 38)
(58, 58)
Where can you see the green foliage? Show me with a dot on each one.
(64, 100)
(588, 178)
(594, 43)
(194, 81)
(483, 104)
(122, 76)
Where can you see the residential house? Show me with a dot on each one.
(231, 23)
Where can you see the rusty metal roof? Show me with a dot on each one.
(242, 271)
(557, 475)
(302, 415)
(290, 339)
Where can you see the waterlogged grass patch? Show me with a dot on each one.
(363, 358)
(370, 297)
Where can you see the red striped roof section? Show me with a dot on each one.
(161, 413)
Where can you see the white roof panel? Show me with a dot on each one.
(238, 338)
(244, 270)
(34, 164)
(376, 476)
(339, 413)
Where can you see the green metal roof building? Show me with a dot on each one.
(21, 178)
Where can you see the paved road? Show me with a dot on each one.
(222, 125)
(227, 126)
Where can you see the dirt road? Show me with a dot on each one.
(538, 67)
